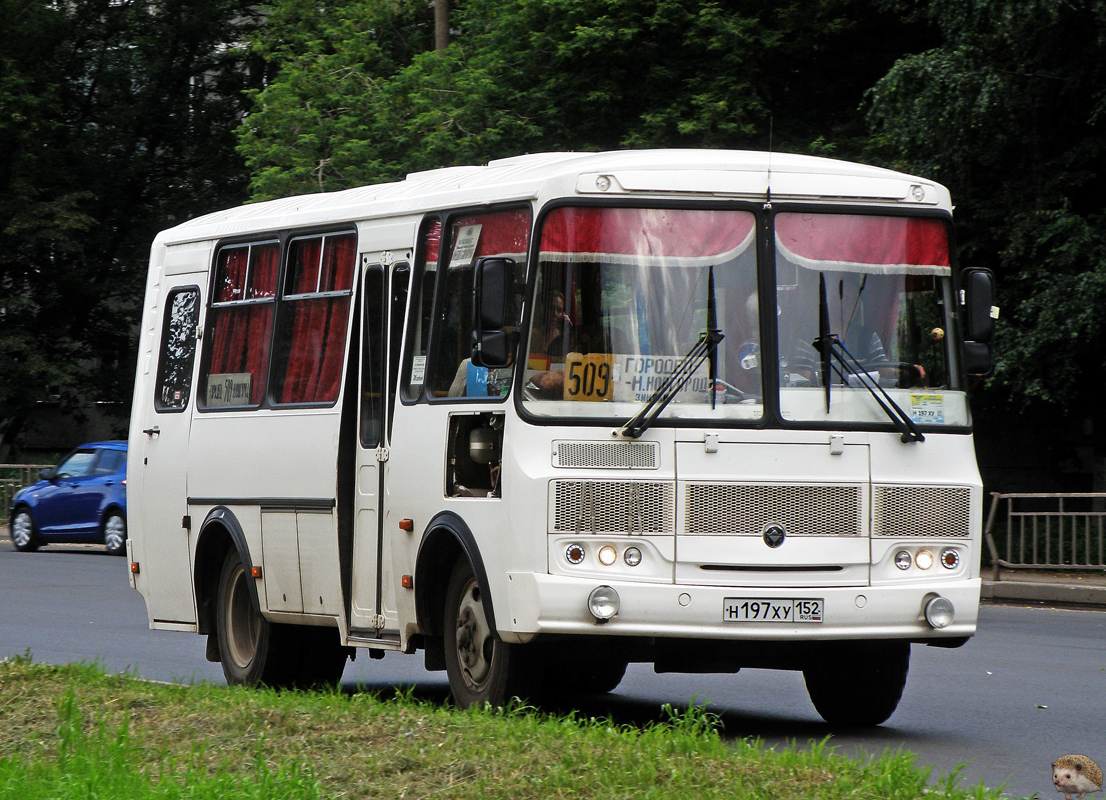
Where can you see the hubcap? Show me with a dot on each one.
(115, 533)
(242, 624)
(21, 529)
(474, 640)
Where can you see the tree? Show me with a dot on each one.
(1007, 112)
(115, 121)
(352, 102)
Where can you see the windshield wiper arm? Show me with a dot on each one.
(662, 396)
(830, 346)
(849, 366)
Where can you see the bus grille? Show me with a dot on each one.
(746, 509)
(612, 507)
(611, 455)
(941, 511)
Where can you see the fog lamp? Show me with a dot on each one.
(939, 612)
(603, 603)
(924, 559)
(903, 559)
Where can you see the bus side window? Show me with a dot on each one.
(372, 353)
(240, 325)
(315, 304)
(503, 233)
(178, 350)
(429, 245)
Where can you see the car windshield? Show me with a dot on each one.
(622, 294)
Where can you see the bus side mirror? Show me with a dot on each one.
(493, 282)
(977, 294)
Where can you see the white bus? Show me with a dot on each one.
(550, 416)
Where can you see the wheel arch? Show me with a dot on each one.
(219, 534)
(446, 539)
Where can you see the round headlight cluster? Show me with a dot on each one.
(607, 555)
(923, 559)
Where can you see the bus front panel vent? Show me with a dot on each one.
(606, 455)
(612, 507)
(738, 509)
(939, 511)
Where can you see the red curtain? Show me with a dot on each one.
(317, 328)
(834, 241)
(242, 333)
(669, 233)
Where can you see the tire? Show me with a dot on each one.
(482, 668)
(599, 678)
(114, 532)
(254, 651)
(24, 537)
(859, 684)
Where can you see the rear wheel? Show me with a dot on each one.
(115, 534)
(859, 684)
(23, 531)
(255, 651)
(481, 667)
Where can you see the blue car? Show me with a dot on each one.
(83, 499)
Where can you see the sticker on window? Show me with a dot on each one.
(927, 408)
(229, 389)
(465, 248)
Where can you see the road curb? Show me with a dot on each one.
(1052, 593)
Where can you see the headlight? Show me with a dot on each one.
(903, 559)
(607, 555)
(939, 612)
(632, 556)
(603, 603)
(923, 559)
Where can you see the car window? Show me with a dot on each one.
(78, 464)
(111, 461)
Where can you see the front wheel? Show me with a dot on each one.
(481, 667)
(23, 531)
(859, 684)
(115, 534)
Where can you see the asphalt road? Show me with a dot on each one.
(1028, 688)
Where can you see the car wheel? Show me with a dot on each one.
(482, 668)
(23, 531)
(115, 534)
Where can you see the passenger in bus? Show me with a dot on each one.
(550, 342)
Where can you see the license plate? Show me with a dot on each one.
(749, 609)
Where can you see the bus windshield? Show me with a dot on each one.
(622, 294)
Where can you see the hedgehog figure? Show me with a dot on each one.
(1076, 775)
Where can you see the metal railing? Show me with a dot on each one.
(14, 477)
(1046, 531)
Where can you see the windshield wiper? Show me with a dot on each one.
(705, 347)
(831, 348)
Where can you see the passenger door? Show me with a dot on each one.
(158, 454)
(382, 321)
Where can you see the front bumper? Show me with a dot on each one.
(553, 604)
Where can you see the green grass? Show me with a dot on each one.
(76, 733)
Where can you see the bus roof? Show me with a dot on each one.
(728, 174)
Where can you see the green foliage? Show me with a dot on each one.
(1007, 112)
(115, 121)
(351, 103)
(148, 741)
